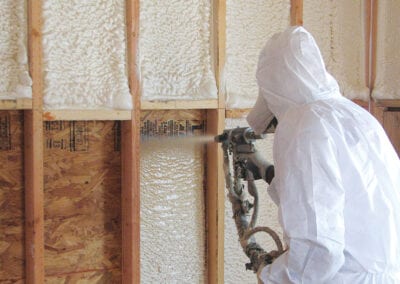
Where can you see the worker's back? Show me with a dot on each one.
(370, 173)
(337, 177)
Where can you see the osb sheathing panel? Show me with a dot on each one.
(82, 199)
(391, 123)
(11, 197)
(235, 258)
(172, 197)
(98, 277)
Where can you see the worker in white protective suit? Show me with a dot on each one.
(337, 176)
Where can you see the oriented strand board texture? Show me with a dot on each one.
(82, 200)
(15, 81)
(175, 50)
(235, 259)
(387, 83)
(391, 123)
(337, 27)
(172, 206)
(249, 24)
(11, 197)
(84, 55)
(100, 277)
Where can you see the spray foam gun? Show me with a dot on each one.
(238, 145)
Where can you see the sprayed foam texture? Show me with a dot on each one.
(15, 81)
(235, 258)
(172, 211)
(387, 83)
(249, 24)
(337, 27)
(84, 55)
(175, 50)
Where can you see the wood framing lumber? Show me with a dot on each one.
(388, 103)
(296, 13)
(215, 199)
(178, 104)
(130, 158)
(87, 115)
(237, 113)
(22, 103)
(215, 181)
(219, 34)
(373, 45)
(33, 124)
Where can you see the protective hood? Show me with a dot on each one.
(290, 72)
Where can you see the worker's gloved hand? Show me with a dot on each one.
(259, 167)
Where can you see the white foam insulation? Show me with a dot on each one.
(235, 259)
(175, 50)
(84, 55)
(15, 81)
(338, 29)
(387, 83)
(172, 212)
(249, 24)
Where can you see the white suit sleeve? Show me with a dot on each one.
(311, 208)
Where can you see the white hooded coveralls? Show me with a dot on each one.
(337, 176)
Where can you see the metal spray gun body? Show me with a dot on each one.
(237, 145)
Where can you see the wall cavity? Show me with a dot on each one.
(235, 259)
(387, 84)
(15, 81)
(172, 207)
(175, 50)
(84, 55)
(249, 24)
(337, 26)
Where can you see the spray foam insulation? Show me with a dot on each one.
(82, 200)
(235, 259)
(249, 24)
(172, 197)
(387, 83)
(15, 81)
(84, 55)
(176, 51)
(337, 27)
(11, 197)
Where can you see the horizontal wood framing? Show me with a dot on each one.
(15, 104)
(98, 114)
(179, 104)
(237, 113)
(388, 103)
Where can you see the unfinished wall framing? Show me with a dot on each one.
(69, 164)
